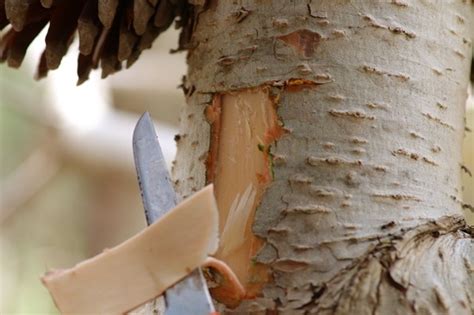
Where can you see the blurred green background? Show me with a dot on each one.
(68, 186)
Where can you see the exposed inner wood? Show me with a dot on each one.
(224, 285)
(142, 267)
(245, 124)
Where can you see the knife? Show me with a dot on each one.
(190, 295)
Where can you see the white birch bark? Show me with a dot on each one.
(374, 139)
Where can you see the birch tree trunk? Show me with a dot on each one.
(332, 131)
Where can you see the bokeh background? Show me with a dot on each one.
(67, 180)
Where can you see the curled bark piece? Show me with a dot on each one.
(144, 266)
(228, 289)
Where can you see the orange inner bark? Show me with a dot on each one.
(244, 125)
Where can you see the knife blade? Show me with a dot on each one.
(190, 295)
(158, 195)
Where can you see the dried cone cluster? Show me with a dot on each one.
(110, 31)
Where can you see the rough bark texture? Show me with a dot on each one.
(364, 211)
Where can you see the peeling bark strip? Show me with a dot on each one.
(351, 221)
(142, 267)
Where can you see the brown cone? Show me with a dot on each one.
(110, 31)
